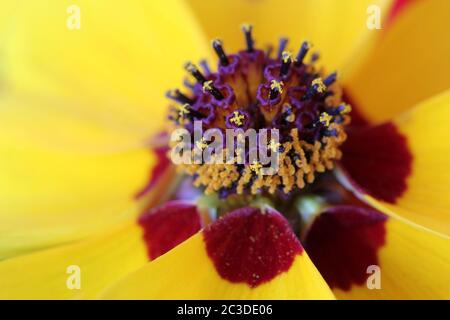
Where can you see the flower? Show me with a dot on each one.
(82, 109)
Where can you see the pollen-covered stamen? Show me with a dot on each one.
(247, 29)
(274, 146)
(237, 118)
(286, 59)
(193, 70)
(276, 88)
(302, 53)
(330, 79)
(282, 47)
(317, 86)
(218, 47)
(252, 90)
(325, 119)
(179, 97)
(208, 86)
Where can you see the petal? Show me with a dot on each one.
(363, 254)
(115, 69)
(409, 64)
(100, 260)
(401, 167)
(48, 124)
(245, 255)
(321, 22)
(51, 197)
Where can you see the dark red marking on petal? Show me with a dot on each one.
(250, 246)
(157, 171)
(168, 225)
(343, 241)
(397, 8)
(377, 159)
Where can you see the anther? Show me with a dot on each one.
(177, 96)
(276, 87)
(247, 29)
(330, 79)
(186, 111)
(282, 47)
(237, 118)
(325, 119)
(288, 115)
(218, 47)
(274, 146)
(209, 87)
(193, 70)
(256, 166)
(286, 58)
(317, 86)
(201, 144)
(302, 53)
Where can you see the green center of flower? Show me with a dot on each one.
(280, 105)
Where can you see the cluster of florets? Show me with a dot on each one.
(260, 90)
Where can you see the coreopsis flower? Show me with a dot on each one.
(92, 207)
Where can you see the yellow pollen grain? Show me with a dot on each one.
(347, 109)
(278, 85)
(286, 56)
(320, 86)
(190, 67)
(246, 27)
(256, 166)
(207, 86)
(325, 118)
(201, 144)
(183, 109)
(237, 118)
(274, 146)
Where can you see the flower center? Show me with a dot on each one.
(256, 90)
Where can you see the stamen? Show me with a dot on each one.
(276, 87)
(205, 66)
(186, 111)
(256, 167)
(237, 118)
(274, 146)
(247, 29)
(193, 70)
(330, 79)
(209, 87)
(201, 144)
(281, 47)
(325, 119)
(288, 115)
(302, 53)
(218, 47)
(286, 58)
(318, 85)
(177, 96)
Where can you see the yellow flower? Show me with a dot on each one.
(84, 183)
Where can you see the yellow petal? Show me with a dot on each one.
(51, 274)
(100, 260)
(188, 271)
(113, 70)
(51, 197)
(406, 173)
(414, 264)
(408, 65)
(321, 22)
(46, 123)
